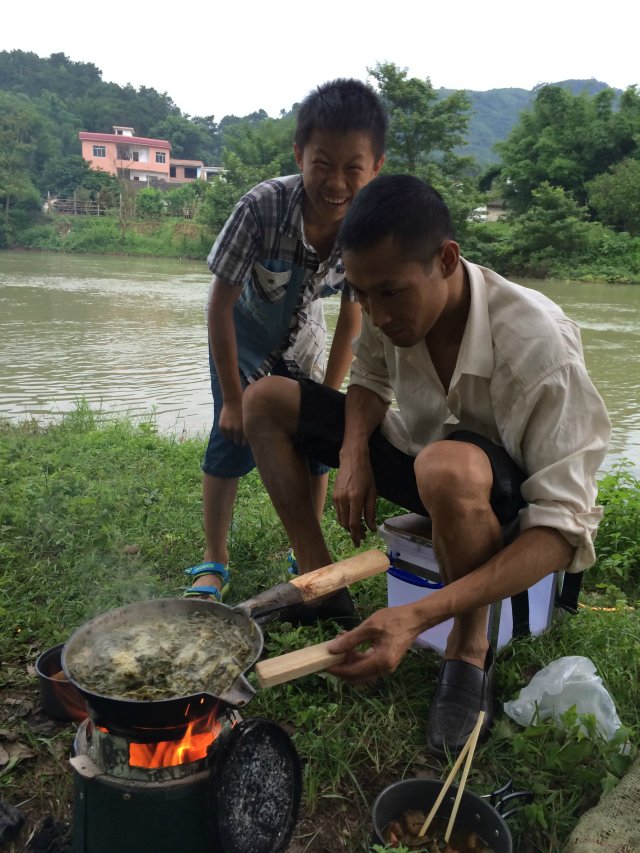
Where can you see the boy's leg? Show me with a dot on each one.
(218, 499)
(271, 412)
(319, 486)
(224, 463)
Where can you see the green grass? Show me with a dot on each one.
(75, 497)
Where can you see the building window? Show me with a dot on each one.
(190, 172)
(135, 156)
(172, 171)
(99, 151)
(161, 157)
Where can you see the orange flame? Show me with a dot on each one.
(199, 736)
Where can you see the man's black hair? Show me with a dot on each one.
(343, 106)
(408, 209)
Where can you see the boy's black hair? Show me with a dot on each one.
(405, 207)
(343, 106)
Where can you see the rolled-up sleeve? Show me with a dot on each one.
(560, 432)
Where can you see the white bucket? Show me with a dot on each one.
(405, 588)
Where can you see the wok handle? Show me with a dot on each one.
(296, 664)
(304, 588)
(338, 575)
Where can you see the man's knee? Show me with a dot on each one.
(453, 471)
(272, 399)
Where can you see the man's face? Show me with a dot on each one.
(334, 167)
(404, 299)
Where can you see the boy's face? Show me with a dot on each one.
(334, 167)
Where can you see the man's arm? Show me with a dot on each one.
(224, 348)
(354, 492)
(390, 632)
(347, 328)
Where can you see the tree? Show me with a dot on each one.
(224, 190)
(63, 176)
(26, 141)
(265, 145)
(424, 129)
(189, 141)
(615, 196)
(567, 140)
(553, 229)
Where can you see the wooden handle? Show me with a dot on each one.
(337, 575)
(296, 664)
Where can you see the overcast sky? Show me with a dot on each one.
(235, 57)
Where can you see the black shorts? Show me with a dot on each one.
(320, 435)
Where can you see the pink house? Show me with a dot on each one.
(140, 159)
(122, 153)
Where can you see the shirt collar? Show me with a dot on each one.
(292, 219)
(476, 350)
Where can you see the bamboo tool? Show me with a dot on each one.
(469, 748)
(296, 664)
(309, 587)
(314, 585)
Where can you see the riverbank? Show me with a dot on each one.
(607, 257)
(96, 514)
(175, 238)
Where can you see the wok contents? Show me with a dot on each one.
(166, 659)
(405, 831)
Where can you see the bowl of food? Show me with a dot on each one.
(58, 697)
(400, 811)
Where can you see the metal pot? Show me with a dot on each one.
(484, 815)
(177, 711)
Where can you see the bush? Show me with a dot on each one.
(618, 539)
(39, 237)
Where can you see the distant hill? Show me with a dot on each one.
(74, 97)
(496, 111)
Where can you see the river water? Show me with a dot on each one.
(129, 336)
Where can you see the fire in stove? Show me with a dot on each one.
(192, 747)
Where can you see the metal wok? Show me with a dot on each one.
(177, 711)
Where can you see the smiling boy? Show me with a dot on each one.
(272, 263)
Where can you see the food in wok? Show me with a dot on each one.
(163, 659)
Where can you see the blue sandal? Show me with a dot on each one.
(293, 563)
(208, 568)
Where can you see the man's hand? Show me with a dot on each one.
(231, 422)
(354, 495)
(390, 632)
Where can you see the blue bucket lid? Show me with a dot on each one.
(415, 580)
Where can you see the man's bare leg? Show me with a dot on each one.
(454, 481)
(270, 417)
(218, 499)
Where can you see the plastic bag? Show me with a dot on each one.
(565, 682)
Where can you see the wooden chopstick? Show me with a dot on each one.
(474, 742)
(469, 745)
